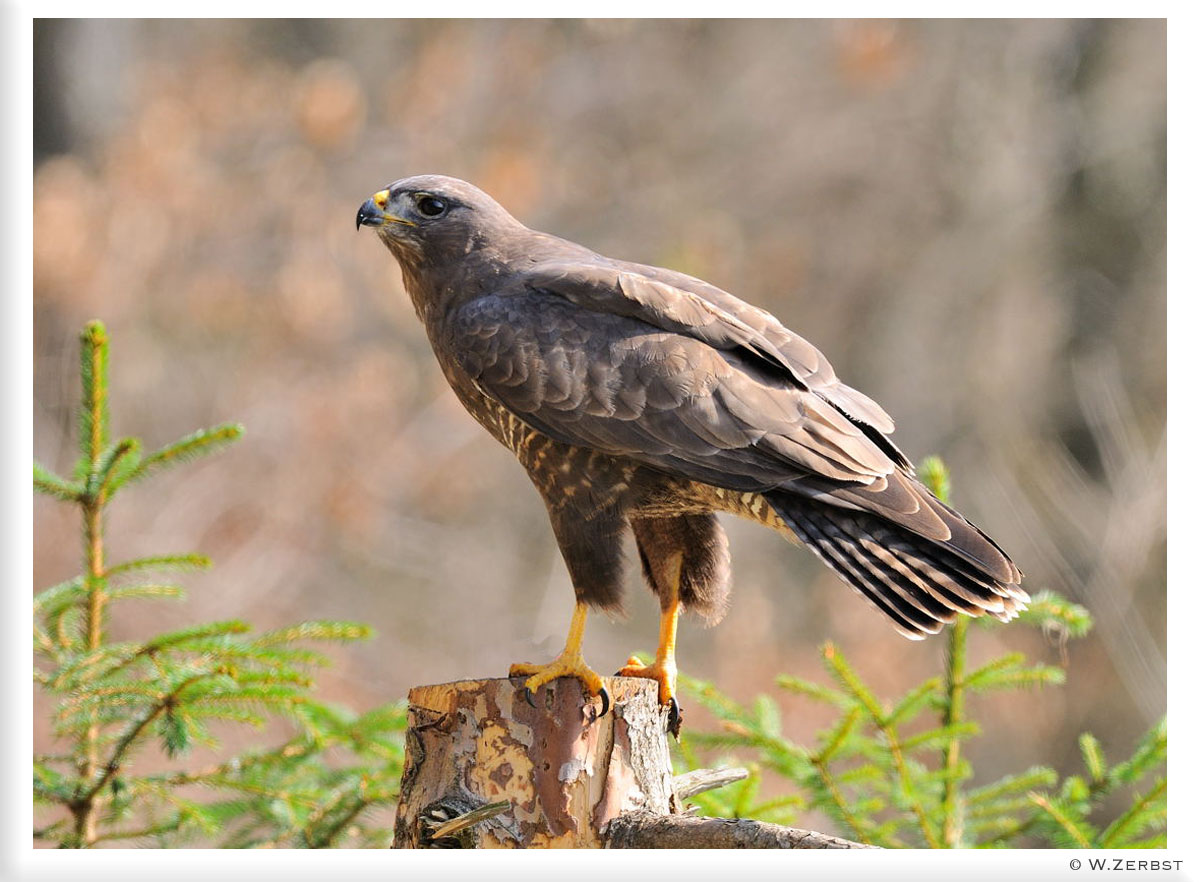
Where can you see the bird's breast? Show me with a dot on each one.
(658, 495)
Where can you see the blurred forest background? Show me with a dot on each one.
(967, 217)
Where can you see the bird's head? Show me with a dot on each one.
(428, 221)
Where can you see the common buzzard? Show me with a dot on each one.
(642, 398)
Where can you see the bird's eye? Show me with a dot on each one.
(430, 206)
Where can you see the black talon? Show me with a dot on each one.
(529, 697)
(605, 704)
(674, 718)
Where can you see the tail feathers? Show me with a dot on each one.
(921, 584)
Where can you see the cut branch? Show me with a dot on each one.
(647, 830)
(698, 781)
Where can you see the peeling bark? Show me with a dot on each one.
(558, 776)
(565, 771)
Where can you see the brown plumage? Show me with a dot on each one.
(640, 397)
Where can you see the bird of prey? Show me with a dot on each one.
(639, 398)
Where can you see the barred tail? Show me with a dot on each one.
(920, 583)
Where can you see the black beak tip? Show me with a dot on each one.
(369, 214)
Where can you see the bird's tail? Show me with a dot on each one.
(920, 583)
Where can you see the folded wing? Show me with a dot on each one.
(620, 362)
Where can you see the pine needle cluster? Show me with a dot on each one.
(116, 700)
(894, 773)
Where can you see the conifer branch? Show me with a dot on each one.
(93, 414)
(814, 691)
(115, 460)
(162, 561)
(128, 592)
(58, 596)
(1093, 757)
(314, 630)
(50, 484)
(838, 738)
(936, 476)
(1012, 785)
(906, 785)
(912, 702)
(144, 833)
(131, 735)
(839, 667)
(850, 680)
(311, 834)
(44, 643)
(110, 696)
(1052, 613)
(49, 831)
(188, 448)
(1060, 817)
(846, 815)
(952, 716)
(862, 798)
(93, 438)
(1132, 815)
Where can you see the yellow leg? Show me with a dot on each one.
(663, 668)
(569, 663)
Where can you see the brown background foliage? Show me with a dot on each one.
(967, 217)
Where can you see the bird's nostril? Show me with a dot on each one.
(381, 198)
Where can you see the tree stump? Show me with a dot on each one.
(484, 769)
(564, 771)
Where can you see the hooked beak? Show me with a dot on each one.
(369, 215)
(372, 212)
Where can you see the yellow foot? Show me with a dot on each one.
(566, 665)
(664, 674)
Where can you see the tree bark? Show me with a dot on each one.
(484, 769)
(646, 830)
(564, 771)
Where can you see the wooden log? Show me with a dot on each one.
(648, 830)
(565, 771)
